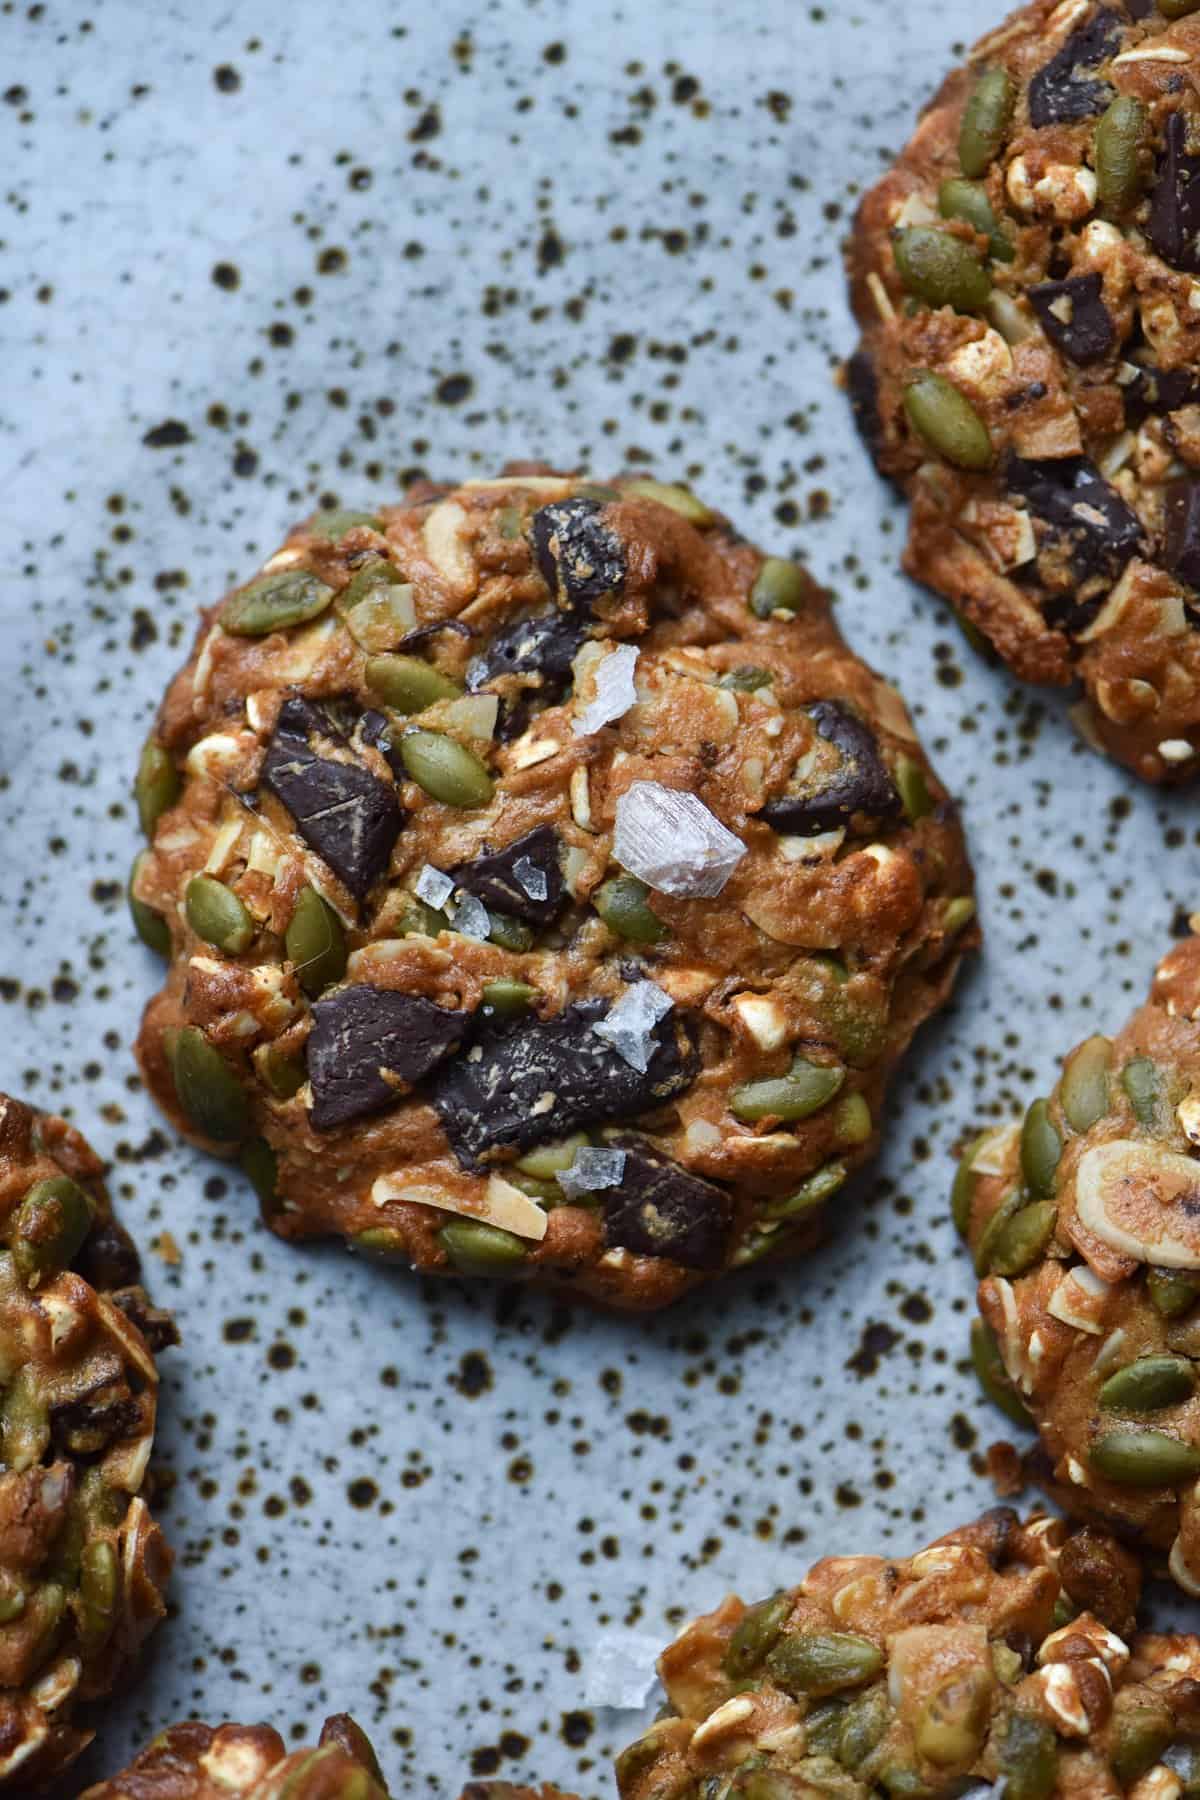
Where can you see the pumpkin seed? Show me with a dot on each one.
(1148, 1384)
(941, 269)
(315, 942)
(1028, 1758)
(913, 789)
(864, 1724)
(446, 770)
(24, 1422)
(207, 1088)
(408, 684)
(479, 1249)
(1144, 1459)
(50, 1226)
(958, 913)
(1172, 1291)
(336, 522)
(12, 1598)
(819, 1188)
(968, 200)
(382, 1242)
(947, 421)
(215, 914)
(797, 1095)
(985, 122)
(419, 920)
(679, 499)
(962, 1191)
(624, 905)
(992, 1375)
(1140, 1080)
(1140, 1735)
(757, 1632)
(852, 1120)
(1083, 1091)
(156, 785)
(276, 603)
(508, 998)
(509, 933)
(779, 587)
(1117, 155)
(1041, 1148)
(823, 1728)
(150, 926)
(1024, 1239)
(950, 1726)
(823, 1662)
(98, 1587)
(284, 1075)
(260, 1165)
(548, 1160)
(1009, 1206)
(746, 680)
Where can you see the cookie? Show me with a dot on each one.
(1000, 1661)
(547, 890)
(1026, 280)
(1084, 1223)
(83, 1566)
(249, 1762)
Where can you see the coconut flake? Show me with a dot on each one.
(672, 842)
(433, 887)
(471, 919)
(614, 691)
(591, 1171)
(629, 1025)
(532, 879)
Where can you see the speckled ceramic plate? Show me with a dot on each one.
(254, 256)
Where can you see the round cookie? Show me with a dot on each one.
(547, 889)
(1085, 1228)
(1025, 278)
(249, 1762)
(993, 1663)
(83, 1566)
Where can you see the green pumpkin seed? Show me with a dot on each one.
(511, 522)
(864, 1724)
(419, 920)
(852, 1124)
(757, 1632)
(962, 1191)
(1144, 1459)
(44, 1616)
(260, 1165)
(823, 1729)
(509, 933)
(679, 499)
(985, 122)
(968, 200)
(215, 914)
(207, 1088)
(1172, 1292)
(445, 769)
(284, 1075)
(408, 684)
(992, 1375)
(1009, 1206)
(478, 1249)
(548, 1160)
(1024, 1240)
(958, 913)
(1140, 1079)
(780, 587)
(941, 269)
(381, 1242)
(336, 522)
(823, 1662)
(913, 789)
(509, 998)
(1117, 155)
(947, 421)
(49, 1228)
(276, 603)
(1029, 1758)
(1140, 1735)
(156, 785)
(746, 680)
(819, 1188)
(950, 1726)
(1148, 1384)
(315, 942)
(798, 1095)
(1178, 9)
(624, 905)
(98, 1587)
(12, 1598)
(1083, 1091)
(24, 1423)
(150, 926)
(1041, 1148)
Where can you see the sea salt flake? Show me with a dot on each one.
(531, 878)
(614, 691)
(619, 1671)
(433, 887)
(629, 1025)
(470, 918)
(592, 1171)
(671, 841)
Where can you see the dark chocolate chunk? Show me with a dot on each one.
(526, 1083)
(541, 650)
(343, 812)
(493, 877)
(1158, 391)
(369, 1045)
(862, 389)
(580, 558)
(1139, 9)
(1065, 88)
(1181, 529)
(374, 729)
(1174, 225)
(1074, 317)
(833, 790)
(660, 1209)
(1087, 517)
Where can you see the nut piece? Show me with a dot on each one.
(249, 1762)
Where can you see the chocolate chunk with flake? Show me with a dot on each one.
(532, 891)
(1158, 391)
(827, 794)
(1174, 225)
(862, 389)
(1066, 88)
(343, 812)
(660, 1209)
(581, 559)
(1074, 317)
(1098, 530)
(526, 1083)
(1181, 529)
(540, 649)
(368, 1046)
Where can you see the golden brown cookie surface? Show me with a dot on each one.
(1026, 279)
(83, 1566)
(999, 1661)
(193, 1761)
(548, 890)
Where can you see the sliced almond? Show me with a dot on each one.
(503, 1204)
(1142, 1201)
